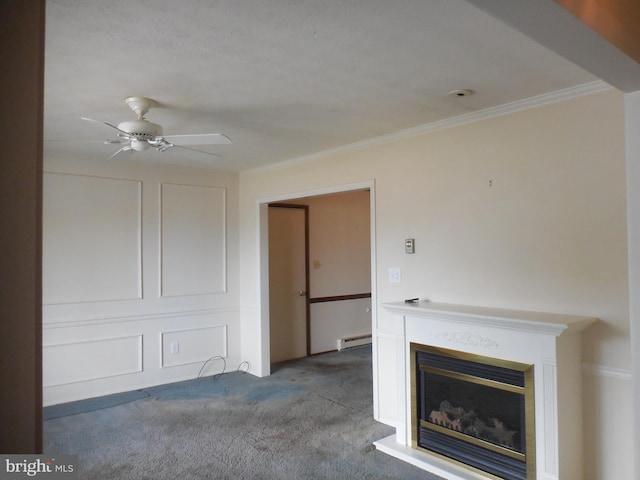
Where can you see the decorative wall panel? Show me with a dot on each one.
(90, 360)
(91, 239)
(193, 240)
(194, 345)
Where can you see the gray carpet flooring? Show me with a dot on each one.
(311, 419)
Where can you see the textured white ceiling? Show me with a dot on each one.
(282, 78)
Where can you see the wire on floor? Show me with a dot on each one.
(224, 367)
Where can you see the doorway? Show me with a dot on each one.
(340, 283)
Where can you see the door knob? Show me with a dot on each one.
(302, 293)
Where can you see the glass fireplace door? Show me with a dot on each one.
(474, 410)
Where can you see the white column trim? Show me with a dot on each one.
(632, 144)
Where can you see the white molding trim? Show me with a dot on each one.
(164, 359)
(516, 106)
(550, 399)
(249, 308)
(161, 241)
(136, 318)
(139, 209)
(138, 353)
(341, 188)
(519, 320)
(607, 372)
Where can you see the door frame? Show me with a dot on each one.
(264, 365)
(307, 308)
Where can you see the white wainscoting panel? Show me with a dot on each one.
(386, 370)
(182, 347)
(91, 239)
(193, 240)
(90, 360)
(608, 431)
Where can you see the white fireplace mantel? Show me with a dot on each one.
(549, 342)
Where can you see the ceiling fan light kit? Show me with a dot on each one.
(140, 134)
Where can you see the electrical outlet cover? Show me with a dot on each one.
(394, 275)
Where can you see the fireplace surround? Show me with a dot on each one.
(529, 407)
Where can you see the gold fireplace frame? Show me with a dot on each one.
(527, 391)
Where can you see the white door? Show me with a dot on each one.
(287, 283)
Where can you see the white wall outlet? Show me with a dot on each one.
(394, 275)
(175, 348)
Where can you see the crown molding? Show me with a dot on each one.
(519, 105)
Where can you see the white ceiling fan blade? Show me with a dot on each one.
(181, 147)
(122, 132)
(198, 139)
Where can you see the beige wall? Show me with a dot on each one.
(339, 243)
(525, 210)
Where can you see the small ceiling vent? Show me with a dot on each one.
(461, 93)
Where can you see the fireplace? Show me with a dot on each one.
(473, 410)
(482, 393)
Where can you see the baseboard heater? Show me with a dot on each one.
(354, 341)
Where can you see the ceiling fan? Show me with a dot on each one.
(141, 134)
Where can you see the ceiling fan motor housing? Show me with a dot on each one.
(141, 129)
